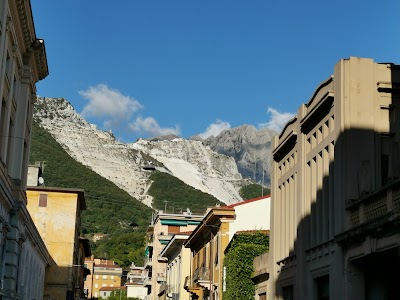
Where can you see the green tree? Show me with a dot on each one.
(253, 190)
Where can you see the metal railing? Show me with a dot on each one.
(201, 274)
(148, 262)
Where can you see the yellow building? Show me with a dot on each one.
(56, 213)
(103, 274)
(207, 244)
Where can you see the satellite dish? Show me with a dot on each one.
(41, 181)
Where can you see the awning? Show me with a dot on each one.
(174, 222)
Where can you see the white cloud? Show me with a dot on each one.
(150, 126)
(108, 103)
(277, 119)
(215, 129)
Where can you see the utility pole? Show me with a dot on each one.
(165, 206)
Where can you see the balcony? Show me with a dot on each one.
(202, 277)
(164, 288)
(148, 262)
(193, 288)
(375, 214)
(147, 279)
(161, 277)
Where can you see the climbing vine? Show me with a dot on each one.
(238, 262)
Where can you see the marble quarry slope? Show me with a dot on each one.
(125, 163)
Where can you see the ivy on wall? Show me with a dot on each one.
(238, 262)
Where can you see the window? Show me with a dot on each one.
(96, 285)
(112, 276)
(42, 200)
(322, 284)
(104, 276)
(97, 276)
(104, 294)
(262, 296)
(287, 292)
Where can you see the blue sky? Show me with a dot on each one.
(150, 67)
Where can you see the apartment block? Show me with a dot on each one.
(161, 230)
(207, 244)
(178, 268)
(104, 273)
(336, 189)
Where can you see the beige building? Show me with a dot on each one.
(336, 189)
(178, 268)
(207, 244)
(23, 256)
(135, 283)
(56, 213)
(260, 276)
(162, 228)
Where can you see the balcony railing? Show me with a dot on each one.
(374, 206)
(164, 288)
(147, 280)
(161, 277)
(367, 214)
(148, 262)
(201, 274)
(188, 282)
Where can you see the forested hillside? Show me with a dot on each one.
(111, 210)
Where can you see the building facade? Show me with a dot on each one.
(162, 228)
(24, 257)
(207, 244)
(335, 189)
(260, 276)
(104, 273)
(178, 268)
(56, 213)
(252, 214)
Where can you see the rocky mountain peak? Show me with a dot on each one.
(189, 160)
(251, 149)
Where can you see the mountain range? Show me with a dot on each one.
(219, 166)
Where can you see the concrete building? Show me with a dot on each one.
(178, 268)
(260, 276)
(56, 213)
(135, 282)
(162, 228)
(136, 290)
(207, 244)
(108, 291)
(23, 255)
(252, 214)
(103, 273)
(336, 189)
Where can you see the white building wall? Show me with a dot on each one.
(251, 215)
(136, 291)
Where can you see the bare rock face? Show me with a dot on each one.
(251, 149)
(189, 160)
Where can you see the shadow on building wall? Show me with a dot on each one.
(348, 245)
